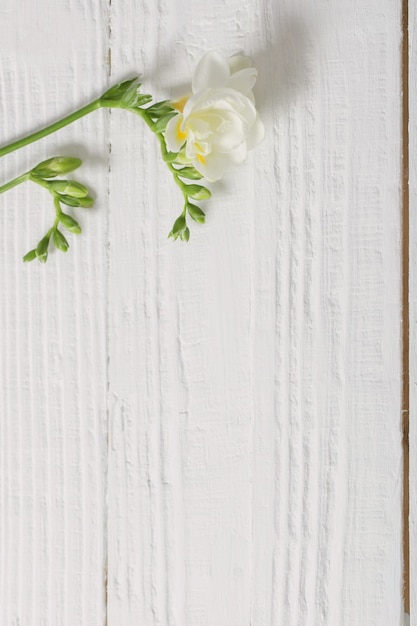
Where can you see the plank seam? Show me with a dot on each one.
(405, 307)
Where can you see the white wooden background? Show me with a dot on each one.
(205, 434)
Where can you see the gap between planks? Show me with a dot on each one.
(405, 309)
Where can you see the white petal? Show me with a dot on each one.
(230, 133)
(239, 62)
(256, 135)
(174, 137)
(211, 71)
(238, 155)
(244, 80)
(221, 99)
(213, 166)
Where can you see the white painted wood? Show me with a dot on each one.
(216, 424)
(52, 318)
(255, 457)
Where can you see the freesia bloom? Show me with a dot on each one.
(218, 123)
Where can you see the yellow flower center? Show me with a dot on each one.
(181, 136)
(180, 104)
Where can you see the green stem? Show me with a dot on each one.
(72, 117)
(148, 121)
(58, 210)
(14, 182)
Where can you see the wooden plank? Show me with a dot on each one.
(412, 93)
(52, 319)
(180, 528)
(255, 374)
(327, 477)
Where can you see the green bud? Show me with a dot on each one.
(132, 96)
(59, 240)
(42, 247)
(118, 91)
(42, 258)
(189, 172)
(185, 234)
(69, 188)
(30, 256)
(179, 226)
(76, 202)
(197, 192)
(70, 223)
(196, 213)
(127, 94)
(161, 124)
(86, 202)
(56, 165)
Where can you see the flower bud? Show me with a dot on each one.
(42, 248)
(76, 202)
(29, 256)
(69, 188)
(185, 234)
(189, 172)
(117, 92)
(178, 227)
(59, 240)
(196, 213)
(70, 223)
(56, 165)
(197, 192)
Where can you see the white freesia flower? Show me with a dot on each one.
(218, 123)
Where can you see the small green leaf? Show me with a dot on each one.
(55, 166)
(30, 256)
(59, 240)
(196, 213)
(159, 109)
(197, 192)
(142, 99)
(161, 124)
(42, 247)
(189, 172)
(70, 223)
(159, 106)
(185, 234)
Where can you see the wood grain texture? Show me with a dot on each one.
(256, 426)
(206, 434)
(52, 319)
(412, 33)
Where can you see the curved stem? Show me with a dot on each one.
(148, 121)
(14, 182)
(72, 117)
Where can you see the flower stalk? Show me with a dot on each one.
(200, 136)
